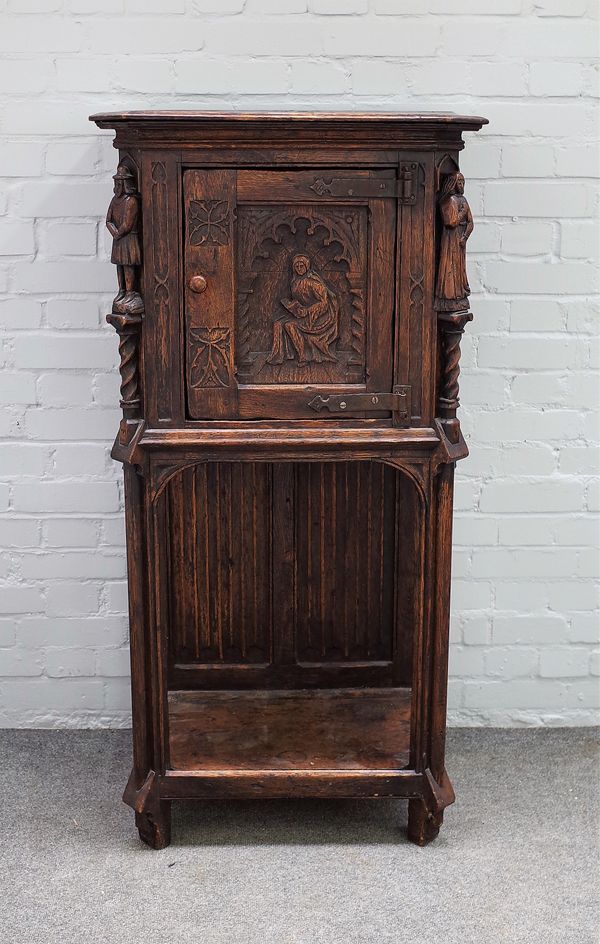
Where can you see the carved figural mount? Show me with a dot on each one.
(122, 222)
(452, 287)
(308, 331)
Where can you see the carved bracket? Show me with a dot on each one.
(126, 447)
(425, 813)
(448, 451)
(437, 795)
(152, 816)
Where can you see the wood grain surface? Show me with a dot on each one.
(345, 729)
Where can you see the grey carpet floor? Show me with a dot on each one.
(516, 860)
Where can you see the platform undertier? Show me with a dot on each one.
(347, 729)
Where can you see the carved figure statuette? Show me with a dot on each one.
(310, 327)
(122, 222)
(452, 287)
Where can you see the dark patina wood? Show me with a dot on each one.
(292, 294)
(335, 729)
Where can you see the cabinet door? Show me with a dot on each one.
(289, 292)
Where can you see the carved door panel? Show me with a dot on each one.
(289, 293)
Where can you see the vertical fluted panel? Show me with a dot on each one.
(220, 563)
(345, 539)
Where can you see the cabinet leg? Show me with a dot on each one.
(423, 825)
(154, 826)
(152, 815)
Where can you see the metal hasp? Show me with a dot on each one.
(403, 189)
(398, 402)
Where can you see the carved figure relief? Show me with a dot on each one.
(209, 356)
(308, 331)
(122, 222)
(301, 275)
(452, 287)
(209, 222)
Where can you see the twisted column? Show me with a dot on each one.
(127, 326)
(451, 327)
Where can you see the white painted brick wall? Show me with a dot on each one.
(525, 627)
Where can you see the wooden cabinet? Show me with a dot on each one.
(292, 293)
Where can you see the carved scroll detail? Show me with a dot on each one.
(210, 350)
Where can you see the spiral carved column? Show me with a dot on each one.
(128, 327)
(451, 328)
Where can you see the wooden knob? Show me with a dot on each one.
(198, 283)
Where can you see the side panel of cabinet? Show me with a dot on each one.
(416, 322)
(162, 372)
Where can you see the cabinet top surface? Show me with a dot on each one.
(108, 119)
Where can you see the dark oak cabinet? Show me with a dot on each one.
(292, 293)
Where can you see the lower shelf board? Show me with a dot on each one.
(325, 729)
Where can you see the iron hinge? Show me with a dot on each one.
(397, 403)
(402, 188)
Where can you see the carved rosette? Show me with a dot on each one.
(208, 222)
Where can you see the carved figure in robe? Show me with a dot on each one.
(311, 326)
(122, 222)
(452, 287)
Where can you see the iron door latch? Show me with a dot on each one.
(397, 402)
